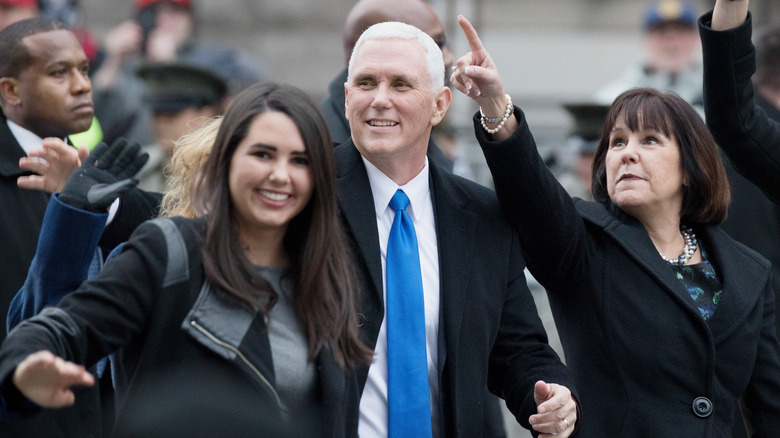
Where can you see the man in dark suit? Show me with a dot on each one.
(45, 96)
(480, 323)
(44, 92)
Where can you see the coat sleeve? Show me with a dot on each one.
(551, 231)
(103, 315)
(760, 402)
(521, 355)
(135, 207)
(66, 249)
(748, 137)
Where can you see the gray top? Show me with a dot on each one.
(295, 375)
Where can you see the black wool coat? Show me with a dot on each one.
(190, 361)
(489, 333)
(645, 362)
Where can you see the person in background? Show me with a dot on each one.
(668, 324)
(189, 154)
(753, 218)
(286, 334)
(364, 14)
(69, 12)
(748, 136)
(12, 11)
(181, 98)
(672, 49)
(161, 31)
(582, 141)
(449, 313)
(66, 12)
(45, 96)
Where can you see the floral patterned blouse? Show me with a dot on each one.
(702, 284)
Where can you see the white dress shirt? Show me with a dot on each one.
(30, 141)
(373, 403)
(26, 138)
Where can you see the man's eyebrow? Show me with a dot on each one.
(401, 78)
(363, 76)
(67, 63)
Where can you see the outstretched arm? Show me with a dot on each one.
(748, 137)
(72, 227)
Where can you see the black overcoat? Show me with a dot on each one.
(184, 355)
(490, 333)
(645, 362)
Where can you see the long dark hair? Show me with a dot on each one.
(325, 292)
(706, 195)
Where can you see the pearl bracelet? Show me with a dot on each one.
(484, 120)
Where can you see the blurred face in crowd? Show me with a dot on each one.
(270, 177)
(428, 22)
(169, 127)
(53, 95)
(10, 14)
(173, 27)
(417, 13)
(672, 46)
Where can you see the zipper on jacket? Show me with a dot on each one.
(240, 355)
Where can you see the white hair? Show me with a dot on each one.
(397, 30)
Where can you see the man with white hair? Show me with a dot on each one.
(445, 306)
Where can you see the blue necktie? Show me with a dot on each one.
(409, 411)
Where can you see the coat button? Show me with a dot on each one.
(702, 407)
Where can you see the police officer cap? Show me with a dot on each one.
(588, 123)
(172, 88)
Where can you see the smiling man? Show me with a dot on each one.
(459, 317)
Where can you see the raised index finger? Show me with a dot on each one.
(475, 44)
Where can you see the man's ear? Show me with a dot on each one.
(442, 100)
(346, 100)
(9, 90)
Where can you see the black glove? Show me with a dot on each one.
(104, 175)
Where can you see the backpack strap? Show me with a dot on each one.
(178, 267)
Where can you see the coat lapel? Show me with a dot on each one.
(633, 238)
(456, 228)
(10, 152)
(357, 209)
(744, 277)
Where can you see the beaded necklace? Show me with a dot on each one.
(690, 247)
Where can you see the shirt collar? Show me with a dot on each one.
(383, 188)
(26, 138)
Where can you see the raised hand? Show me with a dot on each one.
(46, 379)
(729, 14)
(476, 75)
(557, 410)
(52, 164)
(104, 175)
